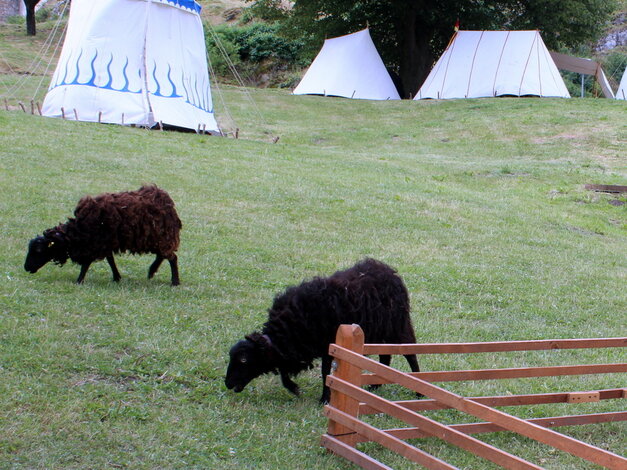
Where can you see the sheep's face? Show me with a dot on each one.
(43, 249)
(40, 251)
(249, 358)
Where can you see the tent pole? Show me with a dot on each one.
(582, 82)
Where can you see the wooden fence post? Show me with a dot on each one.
(349, 337)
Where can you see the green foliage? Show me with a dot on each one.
(17, 19)
(253, 48)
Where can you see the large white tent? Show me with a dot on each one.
(494, 63)
(348, 66)
(621, 93)
(139, 62)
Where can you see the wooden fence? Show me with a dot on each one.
(349, 401)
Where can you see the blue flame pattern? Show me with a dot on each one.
(189, 5)
(196, 94)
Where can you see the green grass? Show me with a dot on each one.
(479, 204)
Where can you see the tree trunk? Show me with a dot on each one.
(416, 58)
(31, 28)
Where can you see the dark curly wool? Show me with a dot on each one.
(303, 321)
(137, 222)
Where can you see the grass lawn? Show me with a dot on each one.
(479, 204)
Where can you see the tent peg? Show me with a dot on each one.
(39, 108)
(63, 112)
(122, 118)
(32, 107)
(75, 114)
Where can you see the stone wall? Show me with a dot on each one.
(9, 8)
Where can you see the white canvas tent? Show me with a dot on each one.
(139, 62)
(348, 66)
(494, 63)
(621, 93)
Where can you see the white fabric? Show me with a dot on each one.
(621, 93)
(494, 63)
(133, 62)
(348, 66)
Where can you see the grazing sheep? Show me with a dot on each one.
(142, 221)
(303, 321)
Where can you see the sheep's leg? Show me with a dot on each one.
(174, 266)
(413, 363)
(326, 370)
(289, 383)
(154, 267)
(81, 276)
(114, 268)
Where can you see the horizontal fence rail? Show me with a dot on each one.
(349, 401)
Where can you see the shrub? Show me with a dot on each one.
(254, 49)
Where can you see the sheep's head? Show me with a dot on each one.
(42, 249)
(249, 358)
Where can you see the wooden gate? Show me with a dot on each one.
(349, 401)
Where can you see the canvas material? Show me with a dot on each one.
(494, 63)
(133, 62)
(621, 93)
(348, 66)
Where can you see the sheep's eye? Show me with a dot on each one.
(243, 360)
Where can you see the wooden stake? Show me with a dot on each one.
(63, 113)
(22, 106)
(39, 109)
(6, 104)
(237, 133)
(350, 337)
(99, 117)
(161, 125)
(75, 114)
(32, 107)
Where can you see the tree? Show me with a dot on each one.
(31, 28)
(411, 34)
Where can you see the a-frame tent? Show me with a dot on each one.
(621, 93)
(348, 66)
(140, 62)
(494, 63)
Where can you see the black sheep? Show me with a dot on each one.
(303, 321)
(138, 222)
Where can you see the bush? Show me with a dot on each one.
(255, 49)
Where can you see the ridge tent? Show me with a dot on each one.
(621, 93)
(350, 67)
(494, 63)
(139, 62)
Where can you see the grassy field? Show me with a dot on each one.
(479, 204)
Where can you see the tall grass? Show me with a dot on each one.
(479, 204)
